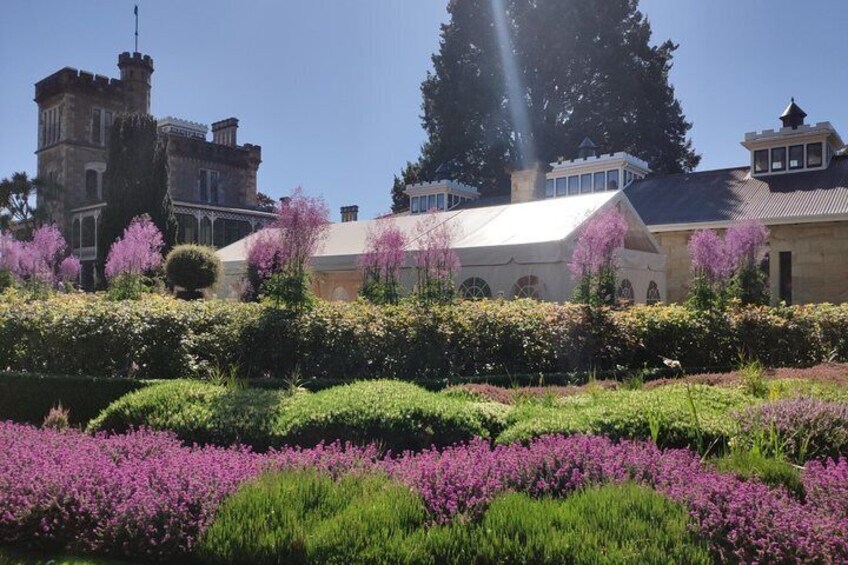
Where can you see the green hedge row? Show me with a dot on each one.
(303, 517)
(164, 338)
(27, 398)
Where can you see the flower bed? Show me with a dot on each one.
(146, 495)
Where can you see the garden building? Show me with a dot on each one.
(510, 250)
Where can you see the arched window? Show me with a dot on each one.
(653, 293)
(474, 288)
(625, 291)
(92, 184)
(340, 294)
(527, 287)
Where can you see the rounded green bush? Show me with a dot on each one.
(193, 267)
(305, 517)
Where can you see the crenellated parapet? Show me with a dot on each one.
(73, 80)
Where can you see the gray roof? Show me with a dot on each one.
(729, 195)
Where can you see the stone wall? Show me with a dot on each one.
(819, 261)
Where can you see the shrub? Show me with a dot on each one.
(799, 429)
(27, 398)
(303, 517)
(664, 412)
(396, 415)
(133, 258)
(193, 267)
(752, 464)
(197, 412)
(168, 339)
(57, 418)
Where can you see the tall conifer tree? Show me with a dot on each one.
(583, 69)
(136, 181)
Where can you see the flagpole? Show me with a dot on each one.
(136, 28)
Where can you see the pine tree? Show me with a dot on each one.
(136, 181)
(585, 69)
(410, 174)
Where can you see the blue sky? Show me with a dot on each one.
(330, 89)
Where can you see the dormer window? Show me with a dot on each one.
(778, 159)
(814, 154)
(796, 157)
(612, 180)
(761, 161)
(549, 188)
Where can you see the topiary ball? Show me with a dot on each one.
(193, 267)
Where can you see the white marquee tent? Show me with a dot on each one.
(508, 250)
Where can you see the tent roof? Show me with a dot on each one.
(490, 235)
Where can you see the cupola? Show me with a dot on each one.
(593, 172)
(795, 147)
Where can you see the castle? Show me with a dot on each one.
(212, 183)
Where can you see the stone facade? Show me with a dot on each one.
(819, 261)
(211, 182)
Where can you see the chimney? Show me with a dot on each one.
(224, 132)
(528, 184)
(350, 213)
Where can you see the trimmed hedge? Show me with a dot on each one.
(158, 337)
(394, 414)
(307, 518)
(27, 398)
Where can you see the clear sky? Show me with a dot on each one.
(330, 88)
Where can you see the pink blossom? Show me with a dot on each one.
(435, 239)
(597, 243)
(11, 252)
(69, 268)
(266, 252)
(384, 249)
(744, 242)
(138, 252)
(709, 256)
(303, 222)
(41, 256)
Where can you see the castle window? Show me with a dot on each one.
(573, 185)
(527, 287)
(205, 231)
(51, 126)
(586, 183)
(92, 184)
(612, 180)
(89, 230)
(474, 288)
(600, 181)
(796, 157)
(778, 159)
(814, 154)
(761, 161)
(561, 189)
(207, 183)
(101, 123)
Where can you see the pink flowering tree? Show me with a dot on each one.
(11, 251)
(593, 261)
(745, 245)
(134, 258)
(436, 261)
(728, 267)
(280, 256)
(40, 260)
(69, 269)
(382, 261)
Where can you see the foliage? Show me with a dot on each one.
(265, 256)
(747, 464)
(136, 181)
(57, 418)
(593, 260)
(134, 258)
(410, 174)
(27, 397)
(799, 429)
(139, 495)
(381, 263)
(304, 517)
(602, 77)
(25, 203)
(396, 415)
(164, 338)
(633, 414)
(11, 251)
(193, 267)
(436, 261)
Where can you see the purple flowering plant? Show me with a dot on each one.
(593, 260)
(134, 258)
(382, 261)
(436, 260)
